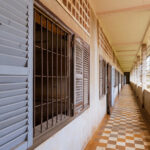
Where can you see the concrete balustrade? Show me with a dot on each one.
(143, 97)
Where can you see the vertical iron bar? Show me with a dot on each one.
(52, 77)
(68, 66)
(83, 75)
(42, 75)
(47, 75)
(61, 73)
(57, 74)
(65, 75)
(34, 59)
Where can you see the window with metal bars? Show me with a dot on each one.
(51, 73)
(102, 76)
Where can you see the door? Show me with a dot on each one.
(127, 76)
(108, 89)
(118, 82)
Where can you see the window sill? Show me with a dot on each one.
(49, 133)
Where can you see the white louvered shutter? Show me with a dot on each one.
(16, 27)
(81, 75)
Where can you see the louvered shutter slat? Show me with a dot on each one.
(12, 120)
(11, 16)
(12, 99)
(12, 51)
(12, 60)
(13, 79)
(14, 8)
(16, 141)
(19, 5)
(13, 44)
(9, 86)
(13, 135)
(13, 113)
(5, 69)
(12, 30)
(9, 93)
(16, 57)
(10, 129)
(6, 21)
(11, 37)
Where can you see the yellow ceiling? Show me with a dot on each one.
(125, 23)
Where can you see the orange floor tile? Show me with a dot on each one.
(126, 129)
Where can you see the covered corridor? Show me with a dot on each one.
(126, 129)
(66, 72)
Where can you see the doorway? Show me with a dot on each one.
(118, 82)
(127, 76)
(108, 89)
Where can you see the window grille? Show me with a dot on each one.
(51, 73)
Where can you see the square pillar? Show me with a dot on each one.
(138, 70)
(143, 68)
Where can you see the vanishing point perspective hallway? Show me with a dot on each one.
(126, 129)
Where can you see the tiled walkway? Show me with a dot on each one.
(125, 129)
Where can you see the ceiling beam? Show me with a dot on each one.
(126, 55)
(126, 43)
(123, 51)
(125, 63)
(140, 7)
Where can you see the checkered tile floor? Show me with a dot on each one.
(125, 129)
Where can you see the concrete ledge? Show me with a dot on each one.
(143, 98)
(146, 101)
(140, 95)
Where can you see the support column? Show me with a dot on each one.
(138, 71)
(143, 68)
(136, 76)
(135, 72)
